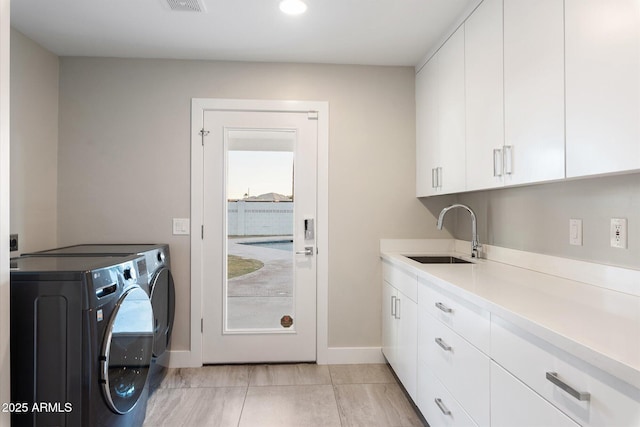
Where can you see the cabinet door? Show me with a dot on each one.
(461, 367)
(514, 404)
(407, 355)
(484, 96)
(533, 90)
(437, 405)
(451, 134)
(603, 86)
(611, 402)
(388, 323)
(427, 152)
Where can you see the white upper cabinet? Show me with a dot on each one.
(427, 153)
(451, 120)
(484, 96)
(440, 121)
(603, 86)
(533, 91)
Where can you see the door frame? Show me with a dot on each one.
(193, 357)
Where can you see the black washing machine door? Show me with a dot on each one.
(126, 350)
(163, 300)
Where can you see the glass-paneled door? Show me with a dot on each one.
(259, 237)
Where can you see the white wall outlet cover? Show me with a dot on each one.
(575, 232)
(181, 226)
(619, 233)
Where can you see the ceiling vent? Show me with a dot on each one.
(186, 5)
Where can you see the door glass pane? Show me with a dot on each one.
(259, 290)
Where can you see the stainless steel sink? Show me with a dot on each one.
(438, 259)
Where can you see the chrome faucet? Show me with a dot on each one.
(475, 244)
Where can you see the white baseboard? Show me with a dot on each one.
(335, 356)
(355, 355)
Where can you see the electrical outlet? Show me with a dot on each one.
(619, 233)
(13, 242)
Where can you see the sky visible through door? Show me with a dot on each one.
(252, 173)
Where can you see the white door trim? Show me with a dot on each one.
(193, 358)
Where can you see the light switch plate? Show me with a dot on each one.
(619, 233)
(181, 226)
(575, 232)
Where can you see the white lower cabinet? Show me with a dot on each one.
(399, 326)
(436, 403)
(461, 368)
(468, 320)
(514, 404)
(589, 396)
(466, 366)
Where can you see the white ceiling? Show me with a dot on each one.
(371, 32)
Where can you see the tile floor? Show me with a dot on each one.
(296, 395)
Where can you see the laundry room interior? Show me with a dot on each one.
(99, 146)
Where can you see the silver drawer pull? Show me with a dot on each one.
(393, 306)
(442, 407)
(580, 395)
(443, 344)
(443, 307)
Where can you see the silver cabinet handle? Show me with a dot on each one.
(393, 306)
(308, 250)
(434, 178)
(397, 316)
(580, 395)
(442, 407)
(443, 344)
(497, 162)
(508, 159)
(439, 177)
(443, 307)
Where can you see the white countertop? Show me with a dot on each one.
(596, 324)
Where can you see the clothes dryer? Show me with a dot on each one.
(81, 341)
(161, 287)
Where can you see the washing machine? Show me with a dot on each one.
(81, 341)
(161, 288)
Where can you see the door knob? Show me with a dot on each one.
(308, 250)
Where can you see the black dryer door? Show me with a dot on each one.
(163, 301)
(126, 350)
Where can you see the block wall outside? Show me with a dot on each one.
(260, 218)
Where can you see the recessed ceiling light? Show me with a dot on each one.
(293, 7)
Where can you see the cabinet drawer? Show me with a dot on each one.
(559, 377)
(469, 320)
(514, 404)
(436, 403)
(461, 367)
(403, 280)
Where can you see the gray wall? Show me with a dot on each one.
(34, 144)
(536, 218)
(124, 171)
